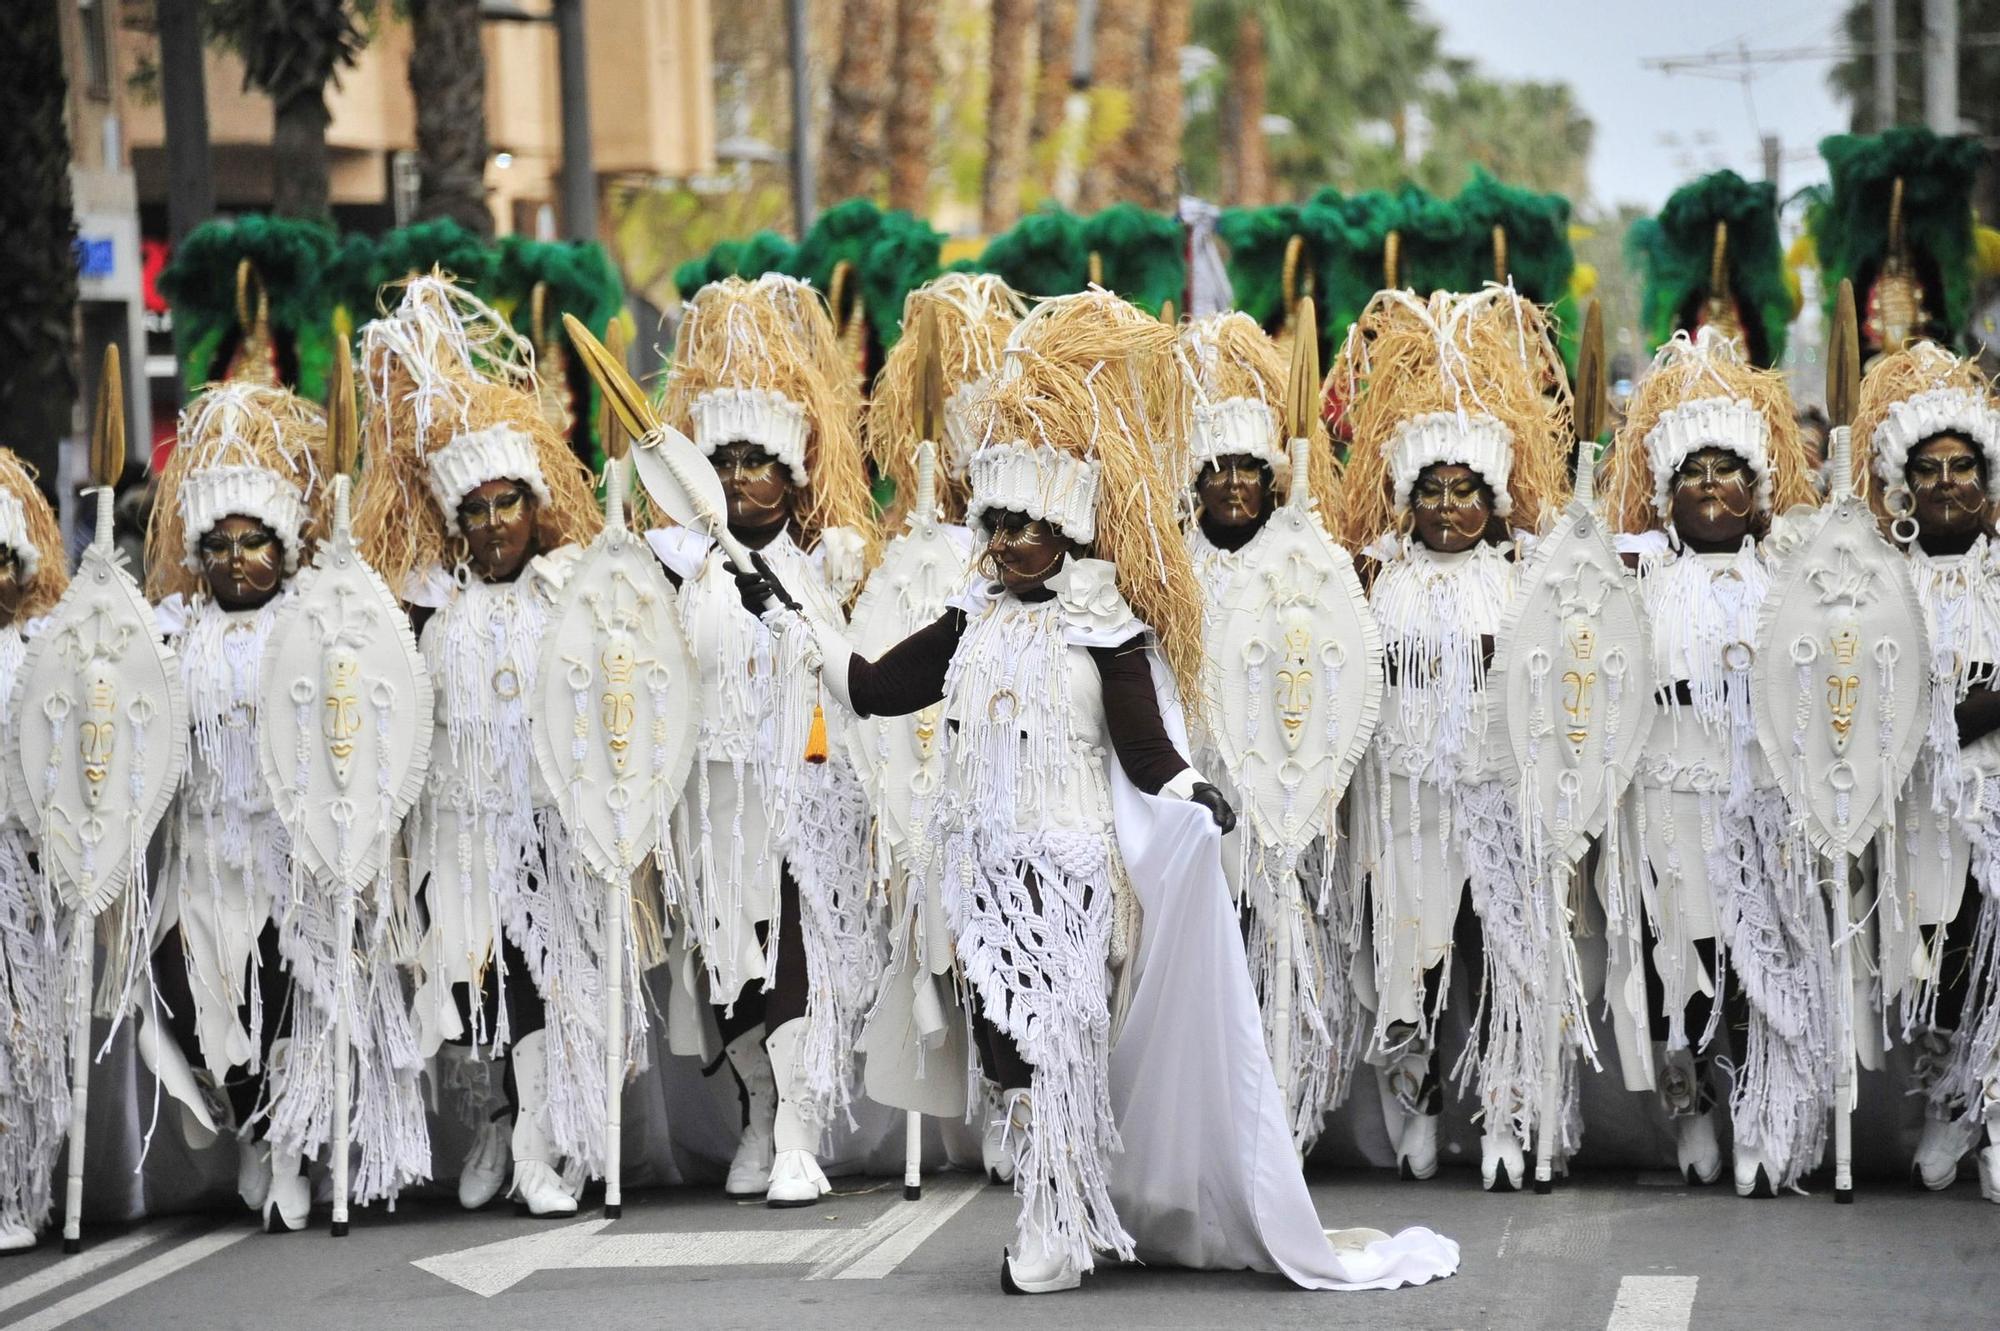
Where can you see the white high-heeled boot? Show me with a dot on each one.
(1696, 1149)
(1501, 1164)
(750, 1168)
(1753, 1176)
(1412, 1123)
(536, 1186)
(289, 1202)
(1943, 1144)
(169, 1066)
(1031, 1264)
(995, 1152)
(796, 1179)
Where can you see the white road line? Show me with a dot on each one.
(176, 1258)
(877, 1248)
(95, 1258)
(1653, 1303)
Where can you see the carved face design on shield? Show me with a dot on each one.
(1234, 490)
(756, 485)
(497, 519)
(1714, 499)
(1451, 507)
(242, 561)
(1946, 474)
(1023, 552)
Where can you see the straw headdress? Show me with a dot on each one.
(28, 528)
(1235, 377)
(245, 450)
(1703, 392)
(1472, 379)
(1062, 434)
(451, 404)
(759, 361)
(1908, 397)
(975, 312)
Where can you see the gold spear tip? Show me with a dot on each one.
(617, 440)
(1590, 377)
(342, 427)
(107, 434)
(930, 360)
(1843, 359)
(1302, 384)
(621, 393)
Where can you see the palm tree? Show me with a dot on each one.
(448, 83)
(1054, 61)
(1007, 92)
(1245, 112)
(913, 110)
(1154, 147)
(1117, 70)
(853, 162)
(37, 268)
(291, 49)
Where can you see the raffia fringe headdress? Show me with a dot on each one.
(451, 403)
(245, 450)
(28, 527)
(1473, 379)
(758, 361)
(1703, 393)
(1235, 375)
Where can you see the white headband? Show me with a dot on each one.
(210, 494)
(1436, 438)
(1729, 423)
(770, 420)
(1236, 427)
(496, 453)
(1043, 483)
(1933, 412)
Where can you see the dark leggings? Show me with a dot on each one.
(780, 997)
(1731, 1035)
(999, 1056)
(1468, 944)
(1955, 961)
(245, 1089)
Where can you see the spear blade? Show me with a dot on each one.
(930, 410)
(1843, 360)
(617, 439)
(342, 427)
(107, 434)
(1302, 384)
(1590, 378)
(622, 394)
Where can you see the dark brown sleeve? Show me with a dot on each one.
(1132, 714)
(909, 676)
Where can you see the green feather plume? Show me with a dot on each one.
(1143, 254)
(1043, 254)
(291, 257)
(1675, 251)
(752, 256)
(1539, 257)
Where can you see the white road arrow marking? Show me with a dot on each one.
(869, 1252)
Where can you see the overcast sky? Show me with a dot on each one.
(1656, 131)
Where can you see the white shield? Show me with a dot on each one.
(1297, 680)
(100, 734)
(615, 708)
(896, 755)
(1576, 684)
(1842, 676)
(345, 718)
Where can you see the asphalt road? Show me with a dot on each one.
(1606, 1251)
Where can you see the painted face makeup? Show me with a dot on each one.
(1235, 491)
(13, 587)
(243, 562)
(1947, 479)
(757, 487)
(1451, 507)
(1714, 500)
(1024, 552)
(497, 520)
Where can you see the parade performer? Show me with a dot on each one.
(1239, 471)
(954, 330)
(1459, 416)
(473, 505)
(1063, 773)
(34, 1045)
(781, 937)
(1707, 459)
(245, 962)
(1927, 431)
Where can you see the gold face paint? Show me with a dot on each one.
(1234, 490)
(1450, 507)
(13, 587)
(1947, 480)
(243, 562)
(1714, 499)
(1024, 552)
(497, 520)
(756, 486)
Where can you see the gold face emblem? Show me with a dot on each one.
(1578, 688)
(1294, 688)
(1843, 692)
(619, 706)
(97, 736)
(342, 720)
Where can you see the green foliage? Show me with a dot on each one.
(288, 47)
(1043, 254)
(1853, 78)
(291, 257)
(1143, 254)
(892, 253)
(1675, 250)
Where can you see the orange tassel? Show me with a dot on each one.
(816, 737)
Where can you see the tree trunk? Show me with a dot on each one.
(1006, 114)
(1247, 149)
(913, 112)
(299, 165)
(1054, 66)
(37, 264)
(856, 159)
(1154, 149)
(1116, 74)
(448, 83)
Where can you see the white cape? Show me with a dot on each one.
(1208, 1176)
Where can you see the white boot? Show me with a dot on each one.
(289, 1201)
(1753, 1176)
(1989, 1173)
(1501, 1168)
(537, 1186)
(1410, 1115)
(750, 1169)
(1417, 1148)
(16, 1238)
(486, 1163)
(1031, 1264)
(253, 1172)
(796, 1179)
(1943, 1144)
(169, 1066)
(994, 1151)
(1697, 1149)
